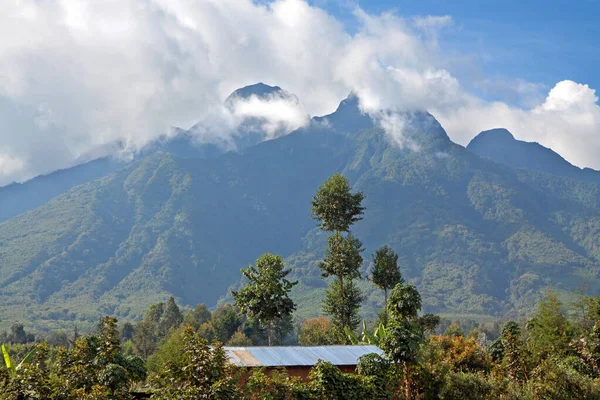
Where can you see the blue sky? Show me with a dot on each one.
(538, 41)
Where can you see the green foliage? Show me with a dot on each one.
(266, 295)
(454, 330)
(277, 385)
(549, 331)
(203, 372)
(342, 304)
(328, 382)
(515, 355)
(335, 207)
(168, 352)
(171, 318)
(404, 302)
(198, 316)
(224, 323)
(342, 257)
(316, 332)
(386, 272)
(466, 386)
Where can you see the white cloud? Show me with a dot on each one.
(568, 121)
(77, 76)
(432, 22)
(276, 114)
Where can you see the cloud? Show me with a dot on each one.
(275, 114)
(432, 22)
(567, 121)
(77, 76)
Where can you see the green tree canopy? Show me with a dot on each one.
(171, 318)
(335, 207)
(266, 295)
(549, 331)
(342, 257)
(386, 273)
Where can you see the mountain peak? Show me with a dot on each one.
(496, 135)
(258, 89)
(347, 116)
(501, 146)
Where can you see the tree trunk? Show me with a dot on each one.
(342, 306)
(270, 332)
(385, 306)
(407, 383)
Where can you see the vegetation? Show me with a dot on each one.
(386, 273)
(415, 363)
(336, 208)
(266, 296)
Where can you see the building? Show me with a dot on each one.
(298, 360)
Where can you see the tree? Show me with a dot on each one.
(95, 368)
(386, 273)
(145, 337)
(316, 332)
(342, 303)
(224, 322)
(514, 354)
(343, 299)
(127, 331)
(404, 334)
(266, 295)
(549, 330)
(201, 372)
(18, 335)
(454, 330)
(198, 316)
(335, 207)
(171, 318)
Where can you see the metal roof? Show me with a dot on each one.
(293, 356)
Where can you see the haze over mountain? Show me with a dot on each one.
(476, 237)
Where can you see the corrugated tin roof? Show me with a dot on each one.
(292, 356)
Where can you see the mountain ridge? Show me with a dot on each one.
(501, 146)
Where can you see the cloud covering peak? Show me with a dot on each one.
(78, 76)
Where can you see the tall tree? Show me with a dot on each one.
(405, 333)
(336, 209)
(266, 295)
(386, 273)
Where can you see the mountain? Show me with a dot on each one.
(477, 238)
(18, 198)
(501, 146)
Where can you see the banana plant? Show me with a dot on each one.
(367, 337)
(10, 365)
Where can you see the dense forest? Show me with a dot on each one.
(177, 354)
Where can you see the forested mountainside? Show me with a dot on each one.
(476, 237)
(18, 198)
